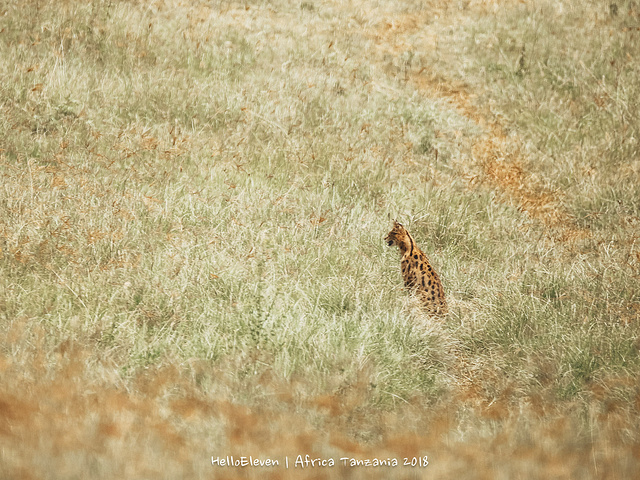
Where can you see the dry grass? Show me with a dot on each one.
(192, 207)
(79, 420)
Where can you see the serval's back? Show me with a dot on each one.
(417, 272)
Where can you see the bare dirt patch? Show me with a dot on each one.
(499, 154)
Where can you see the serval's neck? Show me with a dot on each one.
(408, 245)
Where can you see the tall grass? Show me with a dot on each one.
(192, 209)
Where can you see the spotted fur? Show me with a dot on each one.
(417, 272)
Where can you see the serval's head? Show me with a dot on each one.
(398, 236)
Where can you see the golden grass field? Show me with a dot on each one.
(193, 201)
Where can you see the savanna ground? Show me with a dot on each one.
(192, 205)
